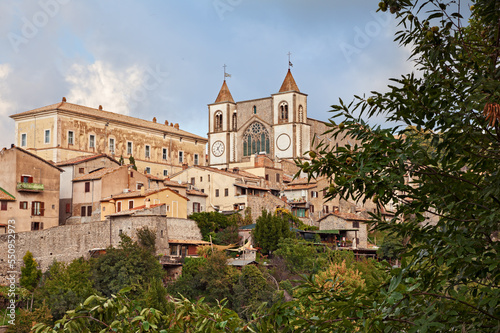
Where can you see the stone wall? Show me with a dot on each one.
(68, 242)
(268, 202)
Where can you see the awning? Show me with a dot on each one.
(188, 241)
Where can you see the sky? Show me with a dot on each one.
(164, 58)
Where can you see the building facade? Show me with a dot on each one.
(63, 131)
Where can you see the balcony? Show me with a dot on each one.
(30, 187)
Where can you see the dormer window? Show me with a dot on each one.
(218, 121)
(283, 112)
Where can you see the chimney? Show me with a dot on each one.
(176, 126)
(100, 107)
(64, 99)
(166, 122)
(171, 124)
(154, 119)
(12, 145)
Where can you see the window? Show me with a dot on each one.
(277, 178)
(111, 145)
(311, 208)
(81, 170)
(37, 208)
(147, 151)
(68, 208)
(255, 139)
(218, 121)
(254, 109)
(164, 154)
(226, 192)
(208, 177)
(314, 194)
(196, 159)
(130, 204)
(36, 225)
(138, 186)
(47, 136)
(118, 206)
(87, 187)
(26, 179)
(283, 112)
(91, 141)
(181, 157)
(325, 209)
(23, 205)
(24, 138)
(267, 176)
(235, 121)
(180, 139)
(355, 224)
(129, 148)
(201, 179)
(89, 210)
(165, 173)
(217, 193)
(71, 137)
(192, 180)
(83, 211)
(148, 170)
(4, 205)
(196, 207)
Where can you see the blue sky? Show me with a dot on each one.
(164, 58)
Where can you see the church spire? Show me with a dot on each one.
(289, 83)
(224, 94)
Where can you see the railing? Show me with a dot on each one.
(30, 187)
(172, 260)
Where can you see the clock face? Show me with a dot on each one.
(218, 148)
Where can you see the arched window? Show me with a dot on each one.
(218, 121)
(235, 122)
(254, 109)
(255, 139)
(283, 112)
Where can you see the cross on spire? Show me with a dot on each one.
(289, 62)
(226, 74)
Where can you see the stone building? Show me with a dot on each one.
(91, 188)
(74, 168)
(350, 230)
(63, 131)
(30, 190)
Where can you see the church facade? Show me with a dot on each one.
(276, 126)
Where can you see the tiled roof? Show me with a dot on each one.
(138, 194)
(299, 187)
(253, 187)
(84, 110)
(84, 158)
(302, 181)
(98, 174)
(224, 94)
(6, 196)
(38, 157)
(346, 216)
(150, 176)
(289, 83)
(196, 193)
(235, 174)
(173, 183)
(135, 209)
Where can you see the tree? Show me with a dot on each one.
(131, 160)
(270, 229)
(210, 223)
(449, 280)
(30, 273)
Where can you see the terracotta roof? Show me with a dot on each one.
(196, 193)
(236, 174)
(6, 196)
(98, 174)
(84, 158)
(137, 194)
(150, 176)
(38, 157)
(173, 183)
(287, 179)
(85, 110)
(346, 216)
(302, 181)
(224, 94)
(299, 187)
(289, 83)
(253, 187)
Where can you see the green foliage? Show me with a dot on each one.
(25, 319)
(251, 291)
(121, 160)
(247, 220)
(30, 274)
(302, 257)
(64, 286)
(147, 239)
(131, 160)
(270, 229)
(443, 163)
(211, 223)
(121, 267)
